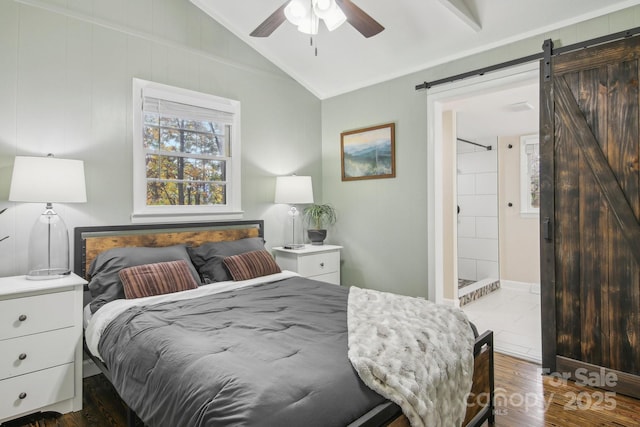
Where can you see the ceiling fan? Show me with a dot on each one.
(306, 14)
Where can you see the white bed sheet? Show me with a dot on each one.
(96, 323)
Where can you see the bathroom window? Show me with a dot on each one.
(529, 175)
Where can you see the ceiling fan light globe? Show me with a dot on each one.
(309, 25)
(335, 19)
(297, 11)
(330, 13)
(323, 5)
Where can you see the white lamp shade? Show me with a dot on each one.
(294, 189)
(47, 179)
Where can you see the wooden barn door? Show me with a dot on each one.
(590, 207)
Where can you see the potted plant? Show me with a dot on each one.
(318, 216)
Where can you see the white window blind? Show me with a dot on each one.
(190, 112)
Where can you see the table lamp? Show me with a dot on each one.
(294, 190)
(48, 180)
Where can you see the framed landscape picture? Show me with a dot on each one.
(368, 153)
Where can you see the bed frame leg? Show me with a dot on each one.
(131, 418)
(492, 404)
(484, 345)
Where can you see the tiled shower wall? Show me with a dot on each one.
(478, 217)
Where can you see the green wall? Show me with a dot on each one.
(383, 224)
(65, 88)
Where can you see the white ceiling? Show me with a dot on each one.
(500, 112)
(418, 34)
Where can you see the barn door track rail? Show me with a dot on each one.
(548, 51)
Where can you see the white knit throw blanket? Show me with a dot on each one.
(413, 352)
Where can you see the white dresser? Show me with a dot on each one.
(40, 345)
(320, 262)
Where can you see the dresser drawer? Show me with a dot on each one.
(35, 352)
(320, 263)
(40, 313)
(26, 393)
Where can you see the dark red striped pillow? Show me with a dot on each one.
(251, 264)
(156, 279)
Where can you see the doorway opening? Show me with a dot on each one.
(485, 239)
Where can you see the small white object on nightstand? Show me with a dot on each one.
(315, 262)
(40, 345)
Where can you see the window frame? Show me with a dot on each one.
(142, 212)
(526, 210)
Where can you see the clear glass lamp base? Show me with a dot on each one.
(48, 274)
(48, 247)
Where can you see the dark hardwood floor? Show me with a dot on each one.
(524, 397)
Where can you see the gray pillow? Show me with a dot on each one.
(105, 284)
(208, 257)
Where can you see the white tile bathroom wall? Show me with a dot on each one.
(478, 249)
(478, 218)
(466, 184)
(478, 161)
(467, 226)
(486, 183)
(487, 227)
(467, 268)
(478, 205)
(486, 269)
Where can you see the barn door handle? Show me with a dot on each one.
(546, 229)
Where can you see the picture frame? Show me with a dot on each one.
(368, 153)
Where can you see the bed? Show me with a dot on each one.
(236, 369)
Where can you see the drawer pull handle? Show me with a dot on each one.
(22, 317)
(22, 395)
(22, 356)
(322, 264)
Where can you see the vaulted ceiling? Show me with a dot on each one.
(418, 34)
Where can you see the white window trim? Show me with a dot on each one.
(143, 213)
(526, 211)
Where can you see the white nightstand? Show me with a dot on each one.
(320, 262)
(40, 345)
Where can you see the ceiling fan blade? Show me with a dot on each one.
(360, 20)
(270, 24)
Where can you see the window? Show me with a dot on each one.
(186, 154)
(529, 175)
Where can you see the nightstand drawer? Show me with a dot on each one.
(19, 356)
(333, 278)
(320, 263)
(25, 393)
(40, 313)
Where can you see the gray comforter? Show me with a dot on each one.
(267, 355)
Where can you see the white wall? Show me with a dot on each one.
(478, 218)
(65, 88)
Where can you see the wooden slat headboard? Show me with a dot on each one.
(90, 241)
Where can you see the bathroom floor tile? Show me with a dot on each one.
(514, 318)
